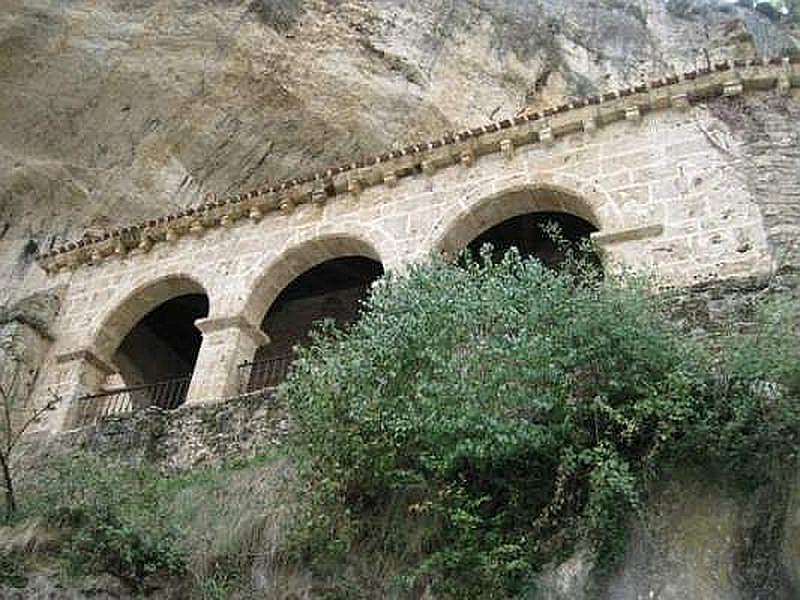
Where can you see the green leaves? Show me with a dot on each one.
(113, 519)
(515, 407)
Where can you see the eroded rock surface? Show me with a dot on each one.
(112, 111)
(24, 339)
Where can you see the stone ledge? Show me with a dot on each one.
(175, 440)
(644, 232)
(87, 355)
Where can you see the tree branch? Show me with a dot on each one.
(33, 418)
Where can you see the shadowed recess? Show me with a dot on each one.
(530, 234)
(333, 289)
(165, 343)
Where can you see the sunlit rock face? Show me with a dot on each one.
(116, 110)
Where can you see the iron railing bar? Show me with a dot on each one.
(132, 388)
(168, 394)
(263, 374)
(248, 363)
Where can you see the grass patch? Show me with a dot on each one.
(216, 529)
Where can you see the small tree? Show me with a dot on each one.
(13, 429)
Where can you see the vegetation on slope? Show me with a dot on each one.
(477, 424)
(199, 534)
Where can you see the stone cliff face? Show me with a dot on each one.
(114, 110)
(24, 339)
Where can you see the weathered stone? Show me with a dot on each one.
(175, 441)
(37, 311)
(25, 337)
(696, 541)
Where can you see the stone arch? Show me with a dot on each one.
(487, 211)
(321, 275)
(305, 252)
(135, 305)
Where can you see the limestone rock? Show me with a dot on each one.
(569, 580)
(24, 339)
(114, 112)
(36, 311)
(696, 540)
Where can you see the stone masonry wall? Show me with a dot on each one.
(767, 153)
(175, 441)
(664, 188)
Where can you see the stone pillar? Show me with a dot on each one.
(227, 342)
(77, 373)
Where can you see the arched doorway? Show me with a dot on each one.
(521, 217)
(333, 289)
(157, 356)
(151, 342)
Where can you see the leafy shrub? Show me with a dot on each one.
(12, 569)
(112, 516)
(749, 423)
(212, 527)
(508, 410)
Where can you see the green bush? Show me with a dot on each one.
(112, 517)
(748, 425)
(12, 569)
(210, 527)
(508, 410)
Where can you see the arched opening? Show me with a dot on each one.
(152, 342)
(520, 217)
(548, 236)
(163, 345)
(333, 289)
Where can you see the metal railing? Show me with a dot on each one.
(163, 394)
(261, 374)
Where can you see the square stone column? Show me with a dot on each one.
(227, 342)
(77, 373)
